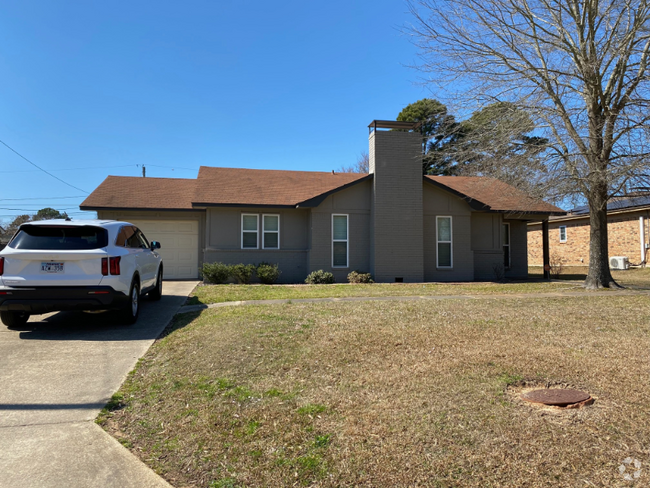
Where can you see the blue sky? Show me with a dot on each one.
(90, 89)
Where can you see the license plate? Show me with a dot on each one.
(51, 267)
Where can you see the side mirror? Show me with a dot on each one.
(155, 245)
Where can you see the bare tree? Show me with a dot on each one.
(579, 67)
(361, 166)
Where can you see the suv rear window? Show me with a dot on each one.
(59, 238)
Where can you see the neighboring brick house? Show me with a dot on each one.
(393, 222)
(628, 233)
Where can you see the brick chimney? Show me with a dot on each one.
(396, 235)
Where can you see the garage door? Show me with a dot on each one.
(179, 241)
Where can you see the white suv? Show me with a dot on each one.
(54, 265)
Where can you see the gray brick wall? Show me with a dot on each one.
(355, 202)
(518, 249)
(485, 263)
(487, 245)
(223, 240)
(293, 263)
(438, 202)
(397, 237)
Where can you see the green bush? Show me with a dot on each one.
(242, 272)
(216, 272)
(268, 273)
(356, 277)
(320, 277)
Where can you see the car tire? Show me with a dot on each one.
(156, 293)
(14, 319)
(129, 314)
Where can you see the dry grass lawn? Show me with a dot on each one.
(393, 394)
(634, 278)
(227, 293)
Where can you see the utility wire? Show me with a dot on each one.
(34, 209)
(170, 167)
(39, 198)
(72, 169)
(37, 166)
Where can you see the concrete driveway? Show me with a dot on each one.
(56, 374)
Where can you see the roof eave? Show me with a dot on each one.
(198, 205)
(92, 208)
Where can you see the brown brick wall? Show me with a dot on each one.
(624, 240)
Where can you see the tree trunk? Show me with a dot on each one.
(599, 275)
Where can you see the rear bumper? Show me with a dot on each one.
(37, 300)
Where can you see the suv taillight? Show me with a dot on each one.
(2, 266)
(104, 266)
(115, 265)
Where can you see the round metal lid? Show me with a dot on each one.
(556, 396)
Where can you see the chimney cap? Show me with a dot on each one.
(393, 124)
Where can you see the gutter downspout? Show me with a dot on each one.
(546, 259)
(642, 239)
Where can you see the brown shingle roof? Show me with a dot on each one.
(236, 186)
(145, 193)
(494, 194)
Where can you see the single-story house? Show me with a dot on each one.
(393, 222)
(628, 231)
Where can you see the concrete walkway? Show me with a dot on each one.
(55, 376)
(503, 296)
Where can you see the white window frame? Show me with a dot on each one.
(507, 225)
(451, 242)
(347, 241)
(565, 234)
(264, 231)
(257, 231)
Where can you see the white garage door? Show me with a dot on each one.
(179, 245)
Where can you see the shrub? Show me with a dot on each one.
(319, 277)
(356, 277)
(556, 262)
(268, 273)
(216, 272)
(242, 272)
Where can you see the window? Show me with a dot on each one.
(339, 241)
(506, 246)
(131, 238)
(249, 231)
(444, 258)
(563, 233)
(270, 231)
(143, 240)
(59, 238)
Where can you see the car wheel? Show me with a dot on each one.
(156, 293)
(13, 318)
(131, 311)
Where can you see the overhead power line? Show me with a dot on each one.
(35, 209)
(171, 167)
(38, 198)
(37, 166)
(73, 169)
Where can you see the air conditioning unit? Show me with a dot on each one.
(619, 262)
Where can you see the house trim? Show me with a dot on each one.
(264, 231)
(450, 242)
(257, 231)
(347, 240)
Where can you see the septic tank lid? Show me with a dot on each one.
(558, 397)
